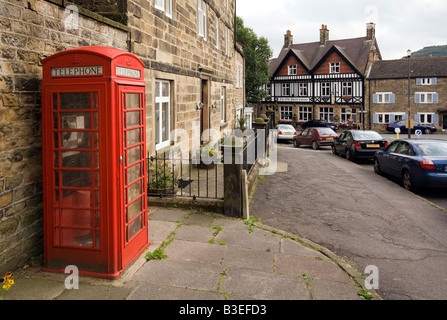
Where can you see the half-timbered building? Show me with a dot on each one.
(321, 80)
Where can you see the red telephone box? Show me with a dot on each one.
(94, 168)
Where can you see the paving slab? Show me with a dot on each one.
(160, 230)
(147, 291)
(264, 285)
(90, 292)
(181, 274)
(167, 214)
(240, 257)
(258, 239)
(291, 246)
(196, 251)
(298, 265)
(330, 290)
(194, 233)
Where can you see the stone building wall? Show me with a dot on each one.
(171, 49)
(399, 87)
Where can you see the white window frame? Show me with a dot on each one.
(285, 90)
(227, 41)
(286, 113)
(165, 6)
(426, 117)
(223, 104)
(334, 67)
(303, 89)
(305, 113)
(325, 89)
(159, 101)
(347, 89)
(202, 21)
(384, 97)
(327, 114)
(293, 70)
(426, 97)
(217, 33)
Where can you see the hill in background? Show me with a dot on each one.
(434, 51)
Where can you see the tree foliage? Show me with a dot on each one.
(257, 55)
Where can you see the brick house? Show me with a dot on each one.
(387, 88)
(188, 48)
(321, 80)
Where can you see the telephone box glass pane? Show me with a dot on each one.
(76, 159)
(134, 192)
(75, 100)
(133, 119)
(133, 137)
(133, 101)
(133, 155)
(134, 173)
(135, 227)
(76, 179)
(134, 209)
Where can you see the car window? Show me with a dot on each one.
(366, 135)
(311, 132)
(305, 132)
(405, 149)
(433, 149)
(326, 131)
(392, 148)
(348, 136)
(342, 137)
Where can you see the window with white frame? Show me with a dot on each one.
(383, 118)
(326, 89)
(426, 97)
(286, 89)
(292, 70)
(162, 114)
(384, 97)
(426, 118)
(303, 90)
(346, 89)
(286, 113)
(239, 76)
(223, 104)
(426, 81)
(202, 18)
(304, 113)
(164, 5)
(217, 33)
(334, 67)
(347, 113)
(327, 114)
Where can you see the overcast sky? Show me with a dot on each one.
(400, 24)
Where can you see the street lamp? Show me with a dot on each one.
(409, 93)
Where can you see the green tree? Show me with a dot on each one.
(257, 55)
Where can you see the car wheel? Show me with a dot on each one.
(315, 145)
(407, 181)
(334, 151)
(349, 155)
(377, 166)
(427, 131)
(296, 144)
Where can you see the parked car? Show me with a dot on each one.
(315, 137)
(320, 124)
(427, 129)
(418, 163)
(357, 144)
(286, 132)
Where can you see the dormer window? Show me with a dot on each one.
(334, 67)
(292, 70)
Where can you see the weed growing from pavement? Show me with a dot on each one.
(365, 294)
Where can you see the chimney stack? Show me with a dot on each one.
(324, 35)
(288, 39)
(370, 31)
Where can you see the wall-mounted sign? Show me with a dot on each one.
(126, 72)
(77, 71)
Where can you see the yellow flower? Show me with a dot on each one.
(8, 281)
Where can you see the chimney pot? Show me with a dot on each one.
(324, 35)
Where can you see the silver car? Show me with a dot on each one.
(286, 132)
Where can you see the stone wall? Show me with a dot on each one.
(171, 50)
(399, 87)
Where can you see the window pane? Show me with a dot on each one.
(135, 209)
(165, 129)
(133, 155)
(134, 173)
(135, 227)
(76, 100)
(157, 125)
(133, 137)
(132, 101)
(76, 179)
(133, 119)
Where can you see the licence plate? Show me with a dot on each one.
(289, 133)
(329, 138)
(373, 145)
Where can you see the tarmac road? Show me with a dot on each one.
(361, 216)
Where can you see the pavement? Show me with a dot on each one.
(209, 257)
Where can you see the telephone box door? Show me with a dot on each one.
(133, 167)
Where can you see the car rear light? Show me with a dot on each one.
(386, 144)
(358, 145)
(280, 132)
(295, 134)
(428, 164)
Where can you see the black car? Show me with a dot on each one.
(358, 144)
(319, 124)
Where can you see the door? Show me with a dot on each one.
(75, 214)
(444, 122)
(133, 213)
